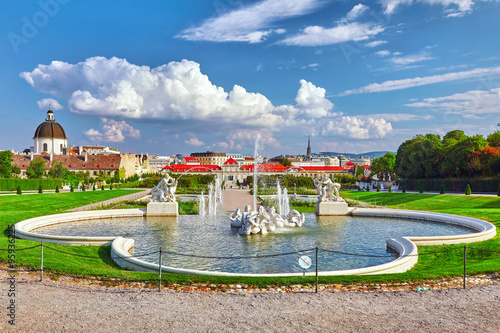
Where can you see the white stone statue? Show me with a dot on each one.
(263, 220)
(327, 190)
(165, 190)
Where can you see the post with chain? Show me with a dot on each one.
(465, 264)
(317, 264)
(41, 261)
(159, 272)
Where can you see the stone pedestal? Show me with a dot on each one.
(331, 208)
(162, 209)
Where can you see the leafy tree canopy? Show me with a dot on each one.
(5, 164)
(36, 169)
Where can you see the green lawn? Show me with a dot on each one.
(430, 265)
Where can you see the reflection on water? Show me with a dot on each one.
(212, 236)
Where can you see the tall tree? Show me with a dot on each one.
(494, 139)
(383, 166)
(5, 164)
(57, 170)
(36, 169)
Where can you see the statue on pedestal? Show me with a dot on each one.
(165, 190)
(327, 190)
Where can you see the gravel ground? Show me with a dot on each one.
(60, 307)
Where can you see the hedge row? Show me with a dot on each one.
(452, 185)
(11, 184)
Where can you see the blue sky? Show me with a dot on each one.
(169, 77)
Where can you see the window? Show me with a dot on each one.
(61, 148)
(44, 147)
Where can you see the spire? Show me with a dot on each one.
(309, 154)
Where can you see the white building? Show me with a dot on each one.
(50, 137)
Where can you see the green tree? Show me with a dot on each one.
(20, 192)
(285, 162)
(494, 139)
(468, 190)
(40, 190)
(16, 170)
(419, 157)
(383, 166)
(457, 160)
(5, 164)
(57, 170)
(57, 188)
(36, 169)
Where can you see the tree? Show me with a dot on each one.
(494, 139)
(419, 157)
(468, 190)
(40, 190)
(57, 170)
(20, 192)
(36, 169)
(285, 162)
(16, 170)
(5, 164)
(383, 166)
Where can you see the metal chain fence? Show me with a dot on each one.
(160, 252)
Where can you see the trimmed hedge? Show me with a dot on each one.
(11, 184)
(452, 185)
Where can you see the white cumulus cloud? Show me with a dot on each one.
(249, 23)
(51, 103)
(453, 6)
(358, 128)
(194, 142)
(376, 43)
(411, 59)
(356, 11)
(317, 35)
(113, 131)
(469, 103)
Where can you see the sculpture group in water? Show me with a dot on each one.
(264, 220)
(327, 190)
(165, 190)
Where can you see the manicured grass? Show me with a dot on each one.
(430, 265)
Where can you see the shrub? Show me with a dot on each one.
(403, 189)
(468, 190)
(441, 191)
(110, 186)
(19, 190)
(367, 188)
(71, 189)
(40, 189)
(421, 188)
(57, 189)
(83, 187)
(93, 187)
(378, 188)
(102, 187)
(389, 189)
(499, 190)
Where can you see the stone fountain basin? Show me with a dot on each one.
(406, 247)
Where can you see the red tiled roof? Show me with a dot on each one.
(265, 167)
(190, 159)
(349, 163)
(319, 168)
(230, 161)
(73, 162)
(194, 168)
(367, 167)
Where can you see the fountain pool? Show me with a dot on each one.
(211, 236)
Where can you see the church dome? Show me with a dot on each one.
(50, 129)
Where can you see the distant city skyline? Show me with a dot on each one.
(165, 77)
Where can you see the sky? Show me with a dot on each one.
(182, 76)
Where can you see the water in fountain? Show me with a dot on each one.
(283, 201)
(255, 173)
(214, 196)
(211, 200)
(202, 204)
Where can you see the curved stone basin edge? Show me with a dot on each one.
(406, 247)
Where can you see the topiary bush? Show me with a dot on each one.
(389, 189)
(441, 191)
(498, 190)
(468, 190)
(102, 187)
(421, 188)
(71, 189)
(378, 188)
(57, 189)
(40, 189)
(403, 189)
(20, 192)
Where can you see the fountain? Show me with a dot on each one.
(214, 196)
(202, 204)
(283, 201)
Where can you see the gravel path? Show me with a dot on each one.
(235, 198)
(64, 307)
